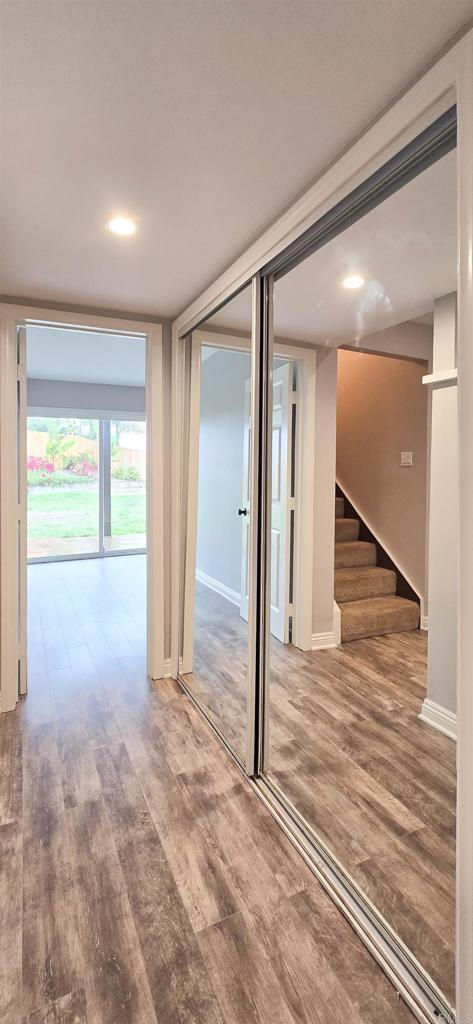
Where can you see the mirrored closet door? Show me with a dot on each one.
(362, 589)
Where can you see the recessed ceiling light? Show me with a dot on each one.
(122, 226)
(353, 281)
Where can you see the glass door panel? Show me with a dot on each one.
(124, 485)
(62, 486)
(353, 744)
(217, 483)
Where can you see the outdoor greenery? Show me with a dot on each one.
(126, 473)
(58, 478)
(67, 514)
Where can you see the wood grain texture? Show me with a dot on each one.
(142, 880)
(347, 748)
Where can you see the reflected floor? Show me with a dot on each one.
(349, 751)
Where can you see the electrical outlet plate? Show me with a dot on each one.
(406, 459)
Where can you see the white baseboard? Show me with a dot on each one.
(321, 641)
(337, 624)
(439, 718)
(167, 669)
(424, 623)
(220, 588)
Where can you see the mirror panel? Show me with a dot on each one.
(218, 488)
(360, 697)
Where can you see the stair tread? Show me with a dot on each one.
(339, 507)
(385, 600)
(346, 529)
(376, 616)
(359, 571)
(353, 583)
(352, 553)
(354, 544)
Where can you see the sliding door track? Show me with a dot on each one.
(421, 994)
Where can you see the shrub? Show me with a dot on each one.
(58, 446)
(126, 473)
(36, 464)
(84, 467)
(77, 460)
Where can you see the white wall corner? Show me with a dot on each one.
(321, 641)
(439, 718)
(424, 619)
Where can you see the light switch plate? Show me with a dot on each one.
(406, 459)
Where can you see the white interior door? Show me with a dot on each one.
(244, 512)
(280, 495)
(21, 415)
(280, 488)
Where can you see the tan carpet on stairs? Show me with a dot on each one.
(365, 592)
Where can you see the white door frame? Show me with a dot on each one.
(11, 318)
(305, 465)
(447, 81)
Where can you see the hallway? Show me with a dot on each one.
(155, 886)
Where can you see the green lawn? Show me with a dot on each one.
(66, 514)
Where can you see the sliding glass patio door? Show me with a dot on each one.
(62, 471)
(86, 487)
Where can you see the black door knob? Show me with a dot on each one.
(242, 512)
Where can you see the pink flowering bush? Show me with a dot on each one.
(41, 465)
(84, 467)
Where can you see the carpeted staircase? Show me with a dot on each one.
(365, 592)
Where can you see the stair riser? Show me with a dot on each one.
(354, 557)
(402, 621)
(347, 529)
(356, 590)
(339, 508)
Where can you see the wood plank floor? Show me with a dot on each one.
(142, 882)
(348, 750)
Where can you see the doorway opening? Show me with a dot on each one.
(86, 501)
(81, 444)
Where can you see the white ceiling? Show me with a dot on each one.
(406, 251)
(201, 118)
(55, 354)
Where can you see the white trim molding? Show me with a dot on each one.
(439, 718)
(441, 379)
(219, 588)
(322, 641)
(337, 623)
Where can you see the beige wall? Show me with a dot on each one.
(381, 411)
